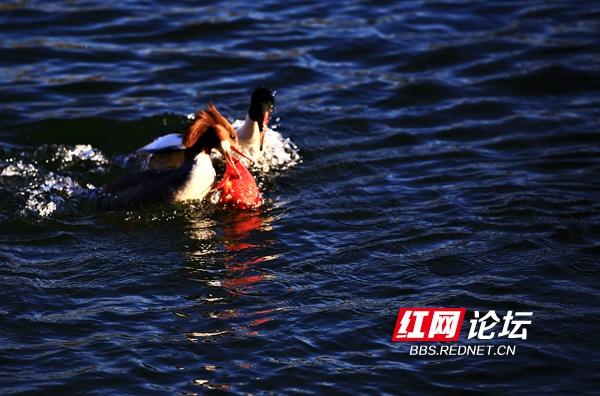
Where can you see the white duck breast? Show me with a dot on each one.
(200, 180)
(249, 137)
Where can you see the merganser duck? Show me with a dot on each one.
(190, 181)
(167, 151)
(252, 133)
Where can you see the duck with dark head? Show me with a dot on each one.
(191, 181)
(252, 133)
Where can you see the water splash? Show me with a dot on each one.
(280, 153)
(82, 157)
(48, 192)
(46, 181)
(19, 168)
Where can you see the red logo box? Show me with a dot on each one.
(428, 324)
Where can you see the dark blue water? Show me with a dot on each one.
(450, 157)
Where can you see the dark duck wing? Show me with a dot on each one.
(143, 189)
(165, 159)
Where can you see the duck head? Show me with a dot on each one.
(262, 105)
(211, 130)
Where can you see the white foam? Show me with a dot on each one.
(80, 152)
(45, 192)
(279, 152)
(49, 193)
(19, 168)
(39, 205)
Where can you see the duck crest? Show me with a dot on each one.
(205, 119)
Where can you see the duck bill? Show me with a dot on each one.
(262, 140)
(226, 148)
(230, 162)
(263, 129)
(241, 154)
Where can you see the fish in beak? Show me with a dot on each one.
(238, 187)
(227, 148)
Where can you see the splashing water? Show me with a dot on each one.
(19, 168)
(78, 157)
(50, 194)
(45, 181)
(280, 153)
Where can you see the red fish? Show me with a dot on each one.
(238, 187)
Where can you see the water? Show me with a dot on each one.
(447, 156)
